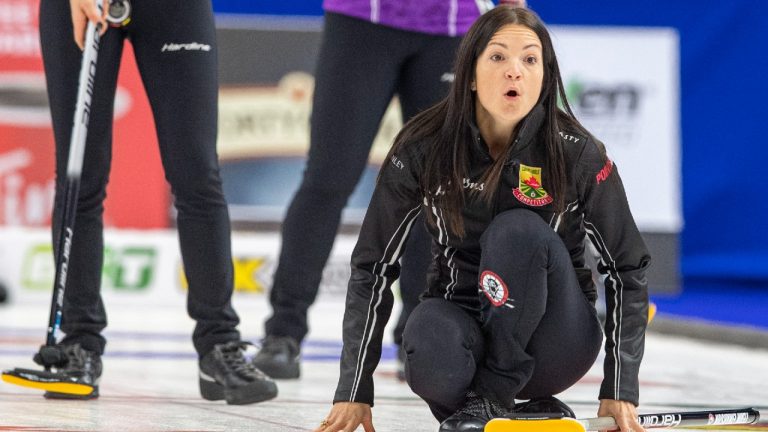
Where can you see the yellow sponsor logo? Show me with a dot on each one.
(246, 277)
(246, 271)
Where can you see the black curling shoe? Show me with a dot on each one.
(547, 406)
(279, 357)
(225, 374)
(473, 416)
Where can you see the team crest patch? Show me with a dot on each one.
(530, 192)
(494, 288)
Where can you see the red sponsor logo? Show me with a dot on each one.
(605, 172)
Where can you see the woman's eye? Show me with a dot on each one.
(497, 57)
(531, 60)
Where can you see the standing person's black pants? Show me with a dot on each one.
(361, 66)
(537, 340)
(175, 47)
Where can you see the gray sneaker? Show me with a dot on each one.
(279, 357)
(225, 374)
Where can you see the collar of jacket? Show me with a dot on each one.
(526, 132)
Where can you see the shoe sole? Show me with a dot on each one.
(279, 371)
(258, 392)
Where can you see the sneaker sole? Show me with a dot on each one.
(279, 371)
(258, 392)
(210, 390)
(251, 394)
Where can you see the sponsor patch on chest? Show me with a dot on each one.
(530, 190)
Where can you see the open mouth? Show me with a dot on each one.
(512, 93)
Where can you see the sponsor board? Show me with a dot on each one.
(263, 141)
(268, 120)
(147, 264)
(636, 115)
(27, 144)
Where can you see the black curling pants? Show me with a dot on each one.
(361, 66)
(537, 337)
(175, 47)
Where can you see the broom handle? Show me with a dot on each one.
(680, 419)
(74, 169)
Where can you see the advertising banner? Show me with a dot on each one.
(137, 193)
(624, 86)
(26, 141)
(145, 265)
(263, 142)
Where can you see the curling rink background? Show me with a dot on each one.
(150, 377)
(150, 374)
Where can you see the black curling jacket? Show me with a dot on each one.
(596, 208)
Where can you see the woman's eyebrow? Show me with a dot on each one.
(503, 45)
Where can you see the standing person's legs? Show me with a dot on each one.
(83, 314)
(425, 80)
(541, 332)
(355, 81)
(182, 86)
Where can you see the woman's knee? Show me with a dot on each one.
(441, 343)
(198, 190)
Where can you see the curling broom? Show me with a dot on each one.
(543, 423)
(49, 354)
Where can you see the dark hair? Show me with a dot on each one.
(445, 128)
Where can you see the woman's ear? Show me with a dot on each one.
(473, 86)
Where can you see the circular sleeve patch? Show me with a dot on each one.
(494, 288)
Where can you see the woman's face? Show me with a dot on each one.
(508, 76)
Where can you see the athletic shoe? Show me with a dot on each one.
(82, 367)
(279, 357)
(545, 406)
(225, 374)
(472, 417)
